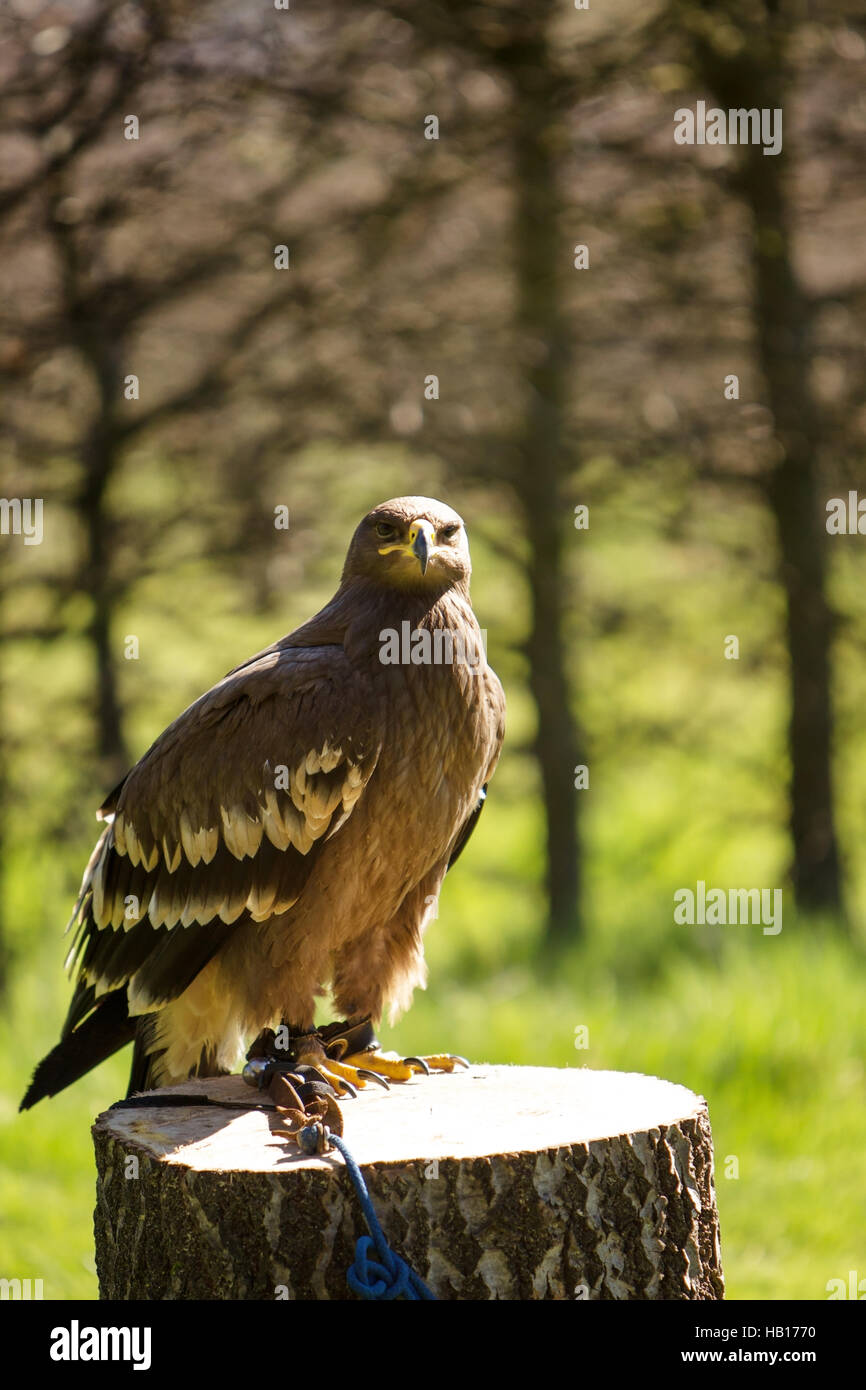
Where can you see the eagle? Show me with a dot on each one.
(289, 833)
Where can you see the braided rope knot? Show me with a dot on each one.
(384, 1278)
(389, 1276)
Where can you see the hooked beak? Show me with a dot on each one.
(420, 541)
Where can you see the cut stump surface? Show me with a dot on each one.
(496, 1182)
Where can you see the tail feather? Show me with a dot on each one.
(102, 1033)
(145, 1057)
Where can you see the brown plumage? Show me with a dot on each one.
(293, 826)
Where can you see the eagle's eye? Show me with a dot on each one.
(449, 532)
(386, 531)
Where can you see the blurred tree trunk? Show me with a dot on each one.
(542, 345)
(756, 76)
(784, 338)
(99, 336)
(99, 452)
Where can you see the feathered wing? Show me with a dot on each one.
(219, 824)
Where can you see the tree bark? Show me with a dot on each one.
(496, 1183)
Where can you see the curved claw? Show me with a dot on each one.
(462, 1060)
(347, 1086)
(417, 1062)
(373, 1076)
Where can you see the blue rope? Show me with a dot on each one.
(389, 1276)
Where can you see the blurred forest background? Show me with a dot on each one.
(309, 387)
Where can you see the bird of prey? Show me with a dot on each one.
(292, 828)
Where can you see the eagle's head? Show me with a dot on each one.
(410, 543)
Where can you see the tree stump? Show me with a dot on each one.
(497, 1182)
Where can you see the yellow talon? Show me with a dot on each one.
(338, 1072)
(397, 1068)
(390, 1066)
(354, 1071)
(442, 1062)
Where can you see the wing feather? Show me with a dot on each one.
(221, 822)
